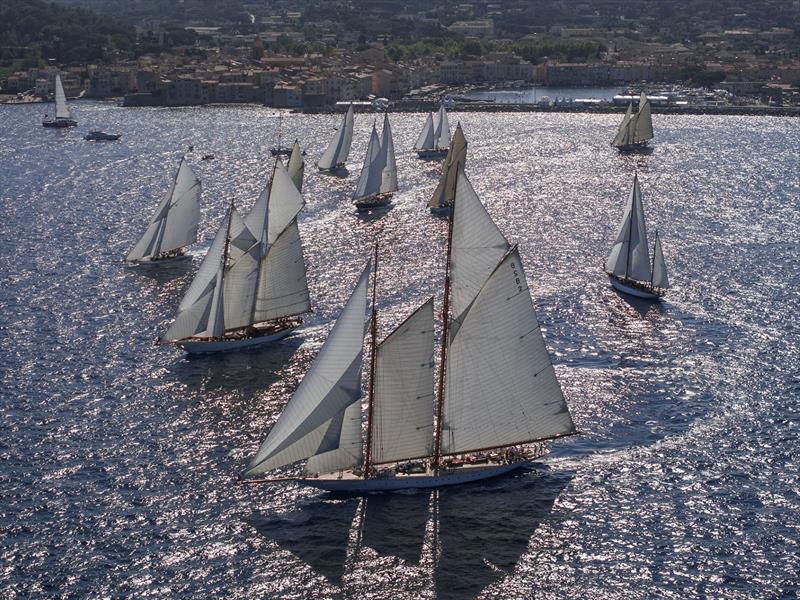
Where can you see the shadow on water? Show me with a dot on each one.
(640, 151)
(367, 216)
(479, 530)
(341, 173)
(162, 273)
(640, 305)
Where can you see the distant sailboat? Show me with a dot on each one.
(251, 286)
(434, 139)
(277, 149)
(635, 129)
(335, 155)
(628, 265)
(378, 180)
(296, 166)
(174, 224)
(445, 192)
(63, 117)
(497, 399)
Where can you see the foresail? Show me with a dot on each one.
(62, 110)
(425, 139)
(339, 148)
(241, 273)
(501, 388)
(389, 174)
(369, 182)
(623, 135)
(183, 211)
(456, 155)
(296, 166)
(660, 279)
(341, 446)
(208, 269)
(402, 422)
(331, 385)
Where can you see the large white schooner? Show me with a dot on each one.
(445, 192)
(378, 180)
(629, 266)
(497, 396)
(63, 117)
(636, 129)
(174, 224)
(434, 139)
(251, 286)
(334, 158)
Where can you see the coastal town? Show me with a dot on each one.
(308, 60)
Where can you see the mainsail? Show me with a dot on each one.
(389, 169)
(323, 416)
(296, 166)
(338, 150)
(62, 111)
(425, 139)
(174, 224)
(402, 423)
(369, 182)
(456, 156)
(629, 257)
(501, 388)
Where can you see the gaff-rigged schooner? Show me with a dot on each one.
(628, 265)
(63, 117)
(434, 139)
(496, 398)
(456, 159)
(251, 286)
(378, 180)
(635, 129)
(335, 156)
(174, 224)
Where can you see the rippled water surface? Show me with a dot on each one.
(118, 457)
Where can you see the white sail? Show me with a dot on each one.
(402, 422)
(331, 385)
(296, 166)
(342, 446)
(283, 288)
(241, 273)
(369, 182)
(441, 131)
(389, 166)
(643, 128)
(477, 246)
(62, 110)
(623, 133)
(660, 279)
(629, 257)
(339, 149)
(501, 388)
(174, 224)
(425, 139)
(456, 155)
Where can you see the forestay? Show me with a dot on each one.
(629, 257)
(339, 148)
(402, 421)
(314, 420)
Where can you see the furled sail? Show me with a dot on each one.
(425, 140)
(369, 182)
(629, 257)
(174, 224)
(339, 149)
(441, 132)
(62, 110)
(457, 155)
(307, 425)
(402, 421)
(643, 128)
(660, 279)
(296, 166)
(501, 388)
(389, 166)
(623, 133)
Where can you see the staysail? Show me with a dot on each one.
(660, 279)
(500, 386)
(338, 150)
(457, 155)
(629, 257)
(174, 224)
(296, 166)
(62, 110)
(402, 422)
(316, 421)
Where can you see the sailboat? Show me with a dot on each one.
(335, 155)
(277, 149)
(635, 129)
(63, 117)
(445, 192)
(251, 286)
(296, 166)
(378, 180)
(434, 139)
(497, 397)
(628, 265)
(174, 224)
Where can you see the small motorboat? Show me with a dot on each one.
(208, 157)
(100, 136)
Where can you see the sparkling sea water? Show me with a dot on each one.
(118, 458)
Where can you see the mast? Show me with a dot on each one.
(372, 362)
(263, 241)
(437, 442)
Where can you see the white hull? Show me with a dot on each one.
(160, 261)
(465, 474)
(227, 345)
(430, 154)
(633, 291)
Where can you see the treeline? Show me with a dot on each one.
(32, 31)
(535, 52)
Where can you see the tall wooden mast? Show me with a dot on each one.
(372, 364)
